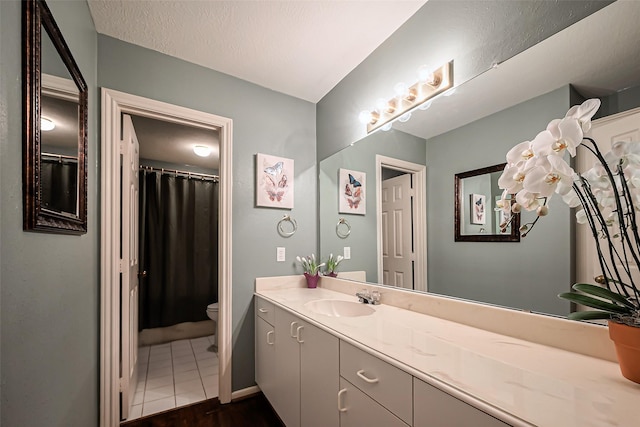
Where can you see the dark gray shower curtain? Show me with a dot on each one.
(178, 248)
(59, 186)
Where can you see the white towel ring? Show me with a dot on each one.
(294, 224)
(343, 232)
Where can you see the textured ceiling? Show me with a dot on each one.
(302, 48)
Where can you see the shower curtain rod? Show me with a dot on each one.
(215, 178)
(59, 156)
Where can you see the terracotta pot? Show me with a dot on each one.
(312, 280)
(627, 341)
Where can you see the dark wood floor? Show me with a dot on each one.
(253, 411)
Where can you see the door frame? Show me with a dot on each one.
(113, 104)
(419, 173)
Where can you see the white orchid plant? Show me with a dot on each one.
(332, 263)
(310, 264)
(607, 198)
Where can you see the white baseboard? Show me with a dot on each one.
(245, 392)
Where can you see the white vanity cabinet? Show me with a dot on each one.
(306, 368)
(435, 408)
(314, 379)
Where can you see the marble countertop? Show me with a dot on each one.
(521, 382)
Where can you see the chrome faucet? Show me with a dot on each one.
(367, 297)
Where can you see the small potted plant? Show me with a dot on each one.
(311, 269)
(332, 265)
(607, 198)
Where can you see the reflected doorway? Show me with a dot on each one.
(401, 223)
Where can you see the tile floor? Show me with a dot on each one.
(174, 374)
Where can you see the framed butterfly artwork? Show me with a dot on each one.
(351, 191)
(274, 181)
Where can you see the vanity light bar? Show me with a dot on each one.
(420, 92)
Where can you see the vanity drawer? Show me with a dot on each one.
(265, 310)
(386, 384)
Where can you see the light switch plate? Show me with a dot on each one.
(347, 252)
(280, 254)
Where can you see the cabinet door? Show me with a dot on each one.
(287, 386)
(265, 358)
(359, 410)
(435, 408)
(319, 377)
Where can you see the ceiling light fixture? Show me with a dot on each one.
(46, 124)
(202, 150)
(429, 84)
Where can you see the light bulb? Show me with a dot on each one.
(425, 105)
(46, 124)
(401, 90)
(386, 127)
(365, 117)
(405, 117)
(202, 150)
(381, 105)
(425, 75)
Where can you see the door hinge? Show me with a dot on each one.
(120, 381)
(120, 263)
(122, 147)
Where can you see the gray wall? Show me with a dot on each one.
(263, 122)
(527, 274)
(475, 34)
(360, 157)
(49, 288)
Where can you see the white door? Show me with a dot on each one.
(130, 150)
(619, 127)
(397, 232)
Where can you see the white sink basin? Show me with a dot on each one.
(336, 308)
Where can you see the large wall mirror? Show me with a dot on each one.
(473, 129)
(55, 128)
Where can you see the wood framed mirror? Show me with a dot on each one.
(54, 128)
(476, 216)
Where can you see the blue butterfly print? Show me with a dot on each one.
(354, 182)
(274, 170)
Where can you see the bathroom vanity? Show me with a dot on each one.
(324, 359)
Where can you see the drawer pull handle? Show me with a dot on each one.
(293, 325)
(300, 328)
(263, 310)
(270, 333)
(360, 373)
(340, 393)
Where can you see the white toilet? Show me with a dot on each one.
(212, 312)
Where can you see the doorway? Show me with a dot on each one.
(401, 223)
(114, 106)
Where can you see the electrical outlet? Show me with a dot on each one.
(280, 254)
(347, 252)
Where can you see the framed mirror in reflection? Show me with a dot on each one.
(477, 214)
(55, 128)
(494, 111)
